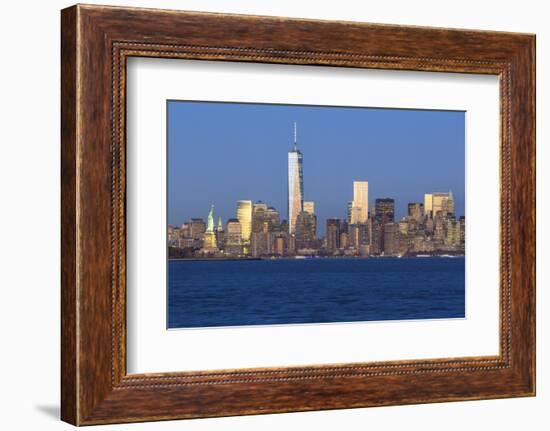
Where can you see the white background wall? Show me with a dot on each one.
(29, 215)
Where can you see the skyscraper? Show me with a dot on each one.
(233, 237)
(272, 216)
(306, 230)
(384, 213)
(428, 200)
(349, 209)
(244, 215)
(391, 238)
(333, 234)
(295, 185)
(416, 211)
(439, 202)
(259, 206)
(384, 210)
(258, 217)
(219, 234)
(197, 227)
(355, 215)
(360, 203)
(309, 207)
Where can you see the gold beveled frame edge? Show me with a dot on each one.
(123, 49)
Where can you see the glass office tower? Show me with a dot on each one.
(295, 185)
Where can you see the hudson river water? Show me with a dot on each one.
(286, 291)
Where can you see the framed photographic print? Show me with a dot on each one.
(267, 215)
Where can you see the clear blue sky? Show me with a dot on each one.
(223, 152)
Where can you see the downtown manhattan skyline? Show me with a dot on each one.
(402, 154)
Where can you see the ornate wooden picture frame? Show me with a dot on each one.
(96, 41)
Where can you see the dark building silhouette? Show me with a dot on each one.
(384, 210)
(333, 234)
(306, 230)
(391, 238)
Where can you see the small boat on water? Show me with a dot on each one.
(423, 255)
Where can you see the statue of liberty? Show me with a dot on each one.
(210, 225)
(210, 243)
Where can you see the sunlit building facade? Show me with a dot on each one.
(355, 215)
(416, 211)
(428, 199)
(349, 209)
(309, 207)
(244, 215)
(295, 185)
(439, 202)
(360, 203)
(443, 202)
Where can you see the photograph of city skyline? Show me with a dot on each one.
(289, 214)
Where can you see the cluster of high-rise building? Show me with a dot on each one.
(430, 227)
(257, 230)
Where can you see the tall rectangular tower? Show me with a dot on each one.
(333, 234)
(428, 203)
(360, 203)
(295, 185)
(244, 215)
(384, 210)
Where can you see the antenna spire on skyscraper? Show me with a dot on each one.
(295, 139)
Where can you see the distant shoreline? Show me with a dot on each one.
(189, 259)
(222, 259)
